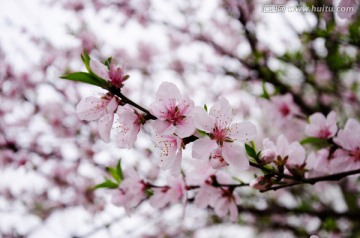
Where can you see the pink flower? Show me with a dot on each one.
(169, 194)
(206, 195)
(318, 163)
(227, 204)
(205, 176)
(347, 5)
(114, 74)
(171, 152)
(220, 144)
(102, 109)
(284, 106)
(261, 183)
(173, 112)
(349, 139)
(294, 152)
(128, 126)
(322, 127)
(268, 154)
(130, 193)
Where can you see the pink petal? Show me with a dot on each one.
(163, 127)
(186, 105)
(296, 154)
(221, 207)
(186, 128)
(349, 137)
(317, 119)
(159, 199)
(331, 123)
(159, 110)
(99, 69)
(112, 105)
(243, 131)
(202, 148)
(222, 112)
(234, 214)
(352, 125)
(282, 145)
(126, 115)
(90, 108)
(169, 146)
(175, 168)
(168, 94)
(203, 121)
(105, 125)
(234, 154)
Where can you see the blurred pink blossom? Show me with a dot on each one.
(170, 194)
(101, 109)
(322, 127)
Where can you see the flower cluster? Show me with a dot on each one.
(176, 119)
(217, 142)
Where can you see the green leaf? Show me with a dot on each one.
(108, 62)
(114, 174)
(265, 93)
(86, 59)
(149, 192)
(202, 132)
(314, 141)
(119, 170)
(101, 82)
(107, 184)
(237, 180)
(251, 152)
(82, 77)
(205, 107)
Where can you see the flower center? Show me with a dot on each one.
(116, 76)
(284, 110)
(219, 135)
(324, 133)
(175, 116)
(217, 161)
(355, 154)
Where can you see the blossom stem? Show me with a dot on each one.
(332, 177)
(126, 100)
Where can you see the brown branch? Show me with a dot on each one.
(332, 177)
(275, 209)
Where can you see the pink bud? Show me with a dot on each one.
(261, 183)
(267, 156)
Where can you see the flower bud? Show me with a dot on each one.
(267, 156)
(261, 183)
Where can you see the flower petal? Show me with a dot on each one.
(175, 168)
(222, 112)
(168, 94)
(112, 105)
(243, 131)
(235, 156)
(99, 69)
(91, 108)
(203, 121)
(186, 128)
(202, 148)
(105, 125)
(163, 127)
